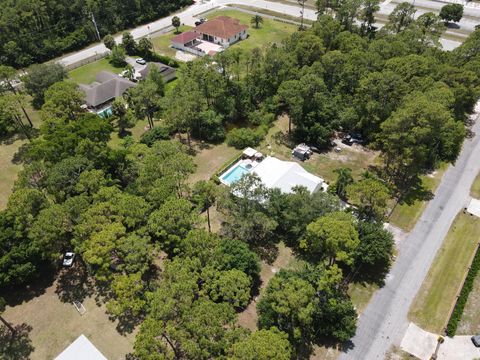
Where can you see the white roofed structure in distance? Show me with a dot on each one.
(81, 349)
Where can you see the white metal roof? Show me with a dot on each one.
(81, 349)
(474, 207)
(285, 175)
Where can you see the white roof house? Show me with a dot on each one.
(285, 175)
(81, 349)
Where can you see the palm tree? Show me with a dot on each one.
(256, 20)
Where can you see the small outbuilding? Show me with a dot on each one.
(474, 207)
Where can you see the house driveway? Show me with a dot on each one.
(422, 344)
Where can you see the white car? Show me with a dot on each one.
(68, 258)
(141, 61)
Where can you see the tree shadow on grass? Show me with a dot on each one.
(126, 323)
(17, 347)
(16, 295)
(74, 284)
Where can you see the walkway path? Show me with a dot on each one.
(384, 321)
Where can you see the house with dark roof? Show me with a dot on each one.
(167, 72)
(211, 37)
(106, 88)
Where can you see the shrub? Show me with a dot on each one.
(163, 59)
(259, 117)
(117, 56)
(241, 138)
(463, 297)
(155, 134)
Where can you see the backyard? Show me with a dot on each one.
(436, 297)
(86, 74)
(50, 322)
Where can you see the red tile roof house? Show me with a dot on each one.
(222, 31)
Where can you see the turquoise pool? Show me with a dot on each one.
(105, 113)
(233, 174)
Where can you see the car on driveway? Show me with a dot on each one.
(141, 61)
(68, 258)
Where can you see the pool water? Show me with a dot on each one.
(106, 113)
(234, 174)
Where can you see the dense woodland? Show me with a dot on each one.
(34, 31)
(119, 208)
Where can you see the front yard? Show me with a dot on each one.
(437, 295)
(161, 43)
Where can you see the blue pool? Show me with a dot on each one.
(234, 174)
(105, 113)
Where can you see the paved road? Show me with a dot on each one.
(384, 321)
(187, 16)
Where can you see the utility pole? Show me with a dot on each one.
(96, 27)
(302, 12)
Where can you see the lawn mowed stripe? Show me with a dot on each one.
(475, 190)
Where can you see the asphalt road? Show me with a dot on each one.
(187, 16)
(384, 321)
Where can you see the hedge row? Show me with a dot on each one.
(463, 297)
(225, 167)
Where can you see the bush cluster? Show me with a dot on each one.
(241, 138)
(463, 297)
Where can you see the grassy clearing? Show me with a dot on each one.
(270, 31)
(9, 168)
(405, 216)
(437, 295)
(355, 157)
(209, 158)
(361, 293)
(161, 43)
(55, 324)
(136, 132)
(86, 74)
(475, 189)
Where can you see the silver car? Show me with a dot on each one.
(68, 259)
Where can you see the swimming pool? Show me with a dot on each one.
(234, 174)
(105, 113)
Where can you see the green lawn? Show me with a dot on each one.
(86, 74)
(405, 216)
(8, 168)
(475, 190)
(356, 158)
(162, 43)
(270, 31)
(437, 295)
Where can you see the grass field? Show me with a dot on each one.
(405, 216)
(475, 190)
(356, 158)
(161, 43)
(86, 74)
(437, 295)
(9, 168)
(53, 324)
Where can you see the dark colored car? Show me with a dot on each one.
(199, 22)
(476, 340)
